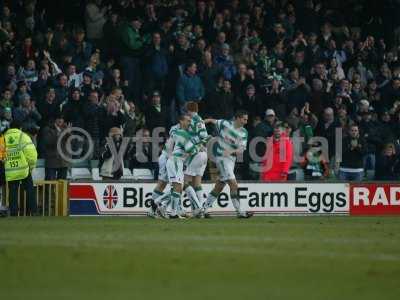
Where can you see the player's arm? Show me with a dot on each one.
(169, 145)
(190, 147)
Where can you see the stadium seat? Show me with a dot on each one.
(142, 174)
(94, 168)
(80, 173)
(80, 170)
(127, 174)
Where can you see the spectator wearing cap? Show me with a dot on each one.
(189, 86)
(155, 113)
(264, 130)
(353, 151)
(132, 45)
(55, 165)
(225, 62)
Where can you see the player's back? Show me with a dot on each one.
(229, 138)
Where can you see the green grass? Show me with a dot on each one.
(225, 258)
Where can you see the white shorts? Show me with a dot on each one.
(162, 167)
(226, 167)
(197, 165)
(175, 170)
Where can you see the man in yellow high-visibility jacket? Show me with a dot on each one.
(21, 157)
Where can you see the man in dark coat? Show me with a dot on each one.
(56, 166)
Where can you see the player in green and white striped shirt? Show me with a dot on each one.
(183, 151)
(158, 196)
(231, 141)
(197, 164)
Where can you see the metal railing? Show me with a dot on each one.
(51, 198)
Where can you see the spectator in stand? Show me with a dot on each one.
(279, 156)
(134, 120)
(48, 107)
(6, 100)
(157, 64)
(132, 43)
(27, 115)
(114, 118)
(210, 74)
(80, 49)
(5, 119)
(55, 165)
(253, 103)
(72, 110)
(265, 130)
(111, 167)
(326, 128)
(354, 149)
(189, 86)
(140, 154)
(314, 163)
(61, 88)
(95, 19)
(221, 104)
(370, 131)
(225, 62)
(94, 115)
(155, 114)
(387, 164)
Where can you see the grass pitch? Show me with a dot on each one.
(225, 258)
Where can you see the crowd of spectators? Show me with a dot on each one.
(314, 66)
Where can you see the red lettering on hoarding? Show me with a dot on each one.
(374, 199)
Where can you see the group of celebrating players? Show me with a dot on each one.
(183, 161)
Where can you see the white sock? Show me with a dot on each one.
(192, 197)
(236, 203)
(163, 198)
(200, 195)
(211, 198)
(175, 203)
